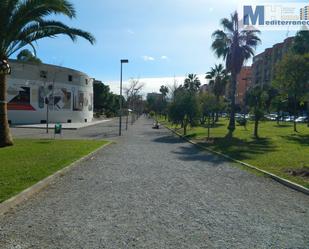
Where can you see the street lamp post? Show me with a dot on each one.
(47, 113)
(120, 101)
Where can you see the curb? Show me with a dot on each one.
(283, 181)
(26, 194)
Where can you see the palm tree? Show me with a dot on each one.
(164, 91)
(22, 22)
(235, 46)
(218, 80)
(192, 83)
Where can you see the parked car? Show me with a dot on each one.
(271, 116)
(288, 118)
(302, 119)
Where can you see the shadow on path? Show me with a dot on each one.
(192, 153)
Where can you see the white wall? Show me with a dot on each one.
(69, 100)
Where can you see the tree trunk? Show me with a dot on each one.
(208, 129)
(278, 117)
(256, 128)
(217, 112)
(5, 135)
(295, 113)
(185, 128)
(231, 126)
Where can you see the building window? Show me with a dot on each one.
(86, 80)
(43, 74)
(70, 78)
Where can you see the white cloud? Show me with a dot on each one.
(148, 58)
(164, 57)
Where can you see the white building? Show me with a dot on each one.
(304, 13)
(69, 94)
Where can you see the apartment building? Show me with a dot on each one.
(264, 64)
(244, 81)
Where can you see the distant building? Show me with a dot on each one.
(205, 88)
(264, 64)
(69, 94)
(154, 95)
(244, 81)
(304, 13)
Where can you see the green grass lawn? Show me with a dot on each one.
(278, 150)
(30, 161)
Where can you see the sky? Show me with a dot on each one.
(162, 39)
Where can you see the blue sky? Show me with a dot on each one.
(161, 38)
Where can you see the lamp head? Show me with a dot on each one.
(124, 61)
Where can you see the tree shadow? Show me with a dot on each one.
(241, 149)
(168, 140)
(297, 138)
(283, 125)
(44, 142)
(192, 153)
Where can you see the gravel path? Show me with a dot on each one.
(152, 190)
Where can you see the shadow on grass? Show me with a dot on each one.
(283, 125)
(241, 149)
(297, 138)
(44, 142)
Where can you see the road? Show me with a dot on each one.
(107, 130)
(153, 190)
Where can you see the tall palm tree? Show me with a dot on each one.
(218, 80)
(235, 45)
(22, 22)
(192, 83)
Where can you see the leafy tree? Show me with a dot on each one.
(235, 46)
(192, 83)
(301, 46)
(23, 22)
(208, 104)
(218, 80)
(292, 80)
(155, 103)
(301, 42)
(258, 99)
(26, 56)
(164, 91)
(184, 109)
(104, 100)
(279, 104)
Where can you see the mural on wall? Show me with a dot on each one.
(41, 97)
(19, 98)
(62, 99)
(82, 101)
